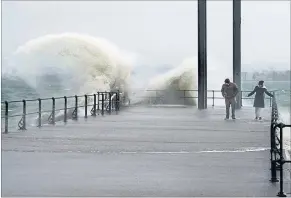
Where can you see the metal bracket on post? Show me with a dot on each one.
(39, 112)
(51, 118)
(98, 103)
(93, 110)
(273, 154)
(102, 104)
(213, 98)
(22, 122)
(86, 101)
(105, 98)
(6, 117)
(281, 192)
(241, 96)
(75, 112)
(184, 96)
(65, 109)
(116, 102)
(109, 103)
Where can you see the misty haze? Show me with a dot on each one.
(105, 95)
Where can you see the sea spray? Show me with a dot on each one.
(179, 84)
(71, 64)
(89, 63)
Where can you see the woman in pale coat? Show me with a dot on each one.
(259, 102)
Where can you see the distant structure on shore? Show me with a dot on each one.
(270, 75)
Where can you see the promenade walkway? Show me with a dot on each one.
(143, 151)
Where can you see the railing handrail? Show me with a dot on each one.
(213, 97)
(59, 97)
(209, 90)
(104, 92)
(107, 104)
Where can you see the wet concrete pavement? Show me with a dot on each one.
(142, 152)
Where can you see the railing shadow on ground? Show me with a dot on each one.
(277, 148)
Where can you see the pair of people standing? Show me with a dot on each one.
(229, 91)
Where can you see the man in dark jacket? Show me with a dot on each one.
(259, 102)
(229, 91)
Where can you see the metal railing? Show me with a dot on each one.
(277, 148)
(159, 96)
(101, 102)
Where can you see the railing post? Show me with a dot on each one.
(53, 111)
(241, 96)
(98, 107)
(274, 97)
(150, 99)
(105, 96)
(270, 101)
(273, 154)
(24, 115)
(94, 107)
(184, 96)
(76, 108)
(65, 109)
(118, 100)
(109, 103)
(102, 104)
(114, 101)
(6, 117)
(39, 112)
(86, 100)
(281, 192)
(213, 98)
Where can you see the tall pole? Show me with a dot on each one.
(237, 49)
(202, 55)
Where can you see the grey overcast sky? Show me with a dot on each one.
(162, 32)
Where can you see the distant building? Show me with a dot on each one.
(267, 75)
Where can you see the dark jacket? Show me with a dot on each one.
(229, 90)
(260, 96)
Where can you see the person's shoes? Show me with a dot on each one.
(256, 118)
(260, 118)
(226, 118)
(233, 118)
